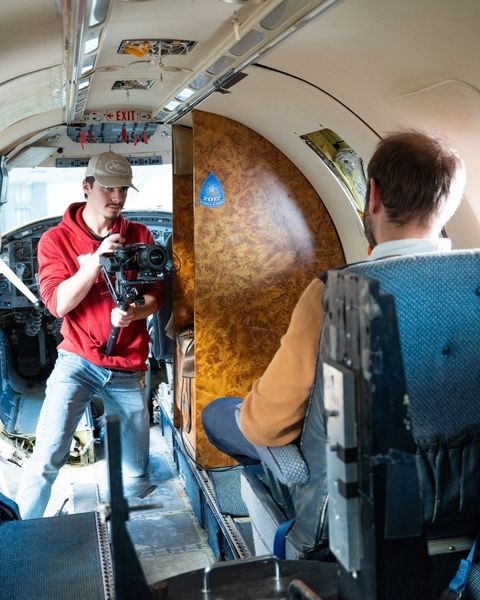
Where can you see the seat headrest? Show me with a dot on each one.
(437, 300)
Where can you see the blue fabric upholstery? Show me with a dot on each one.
(285, 463)
(437, 298)
(8, 509)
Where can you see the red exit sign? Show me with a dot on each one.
(127, 114)
(119, 115)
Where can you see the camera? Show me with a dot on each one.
(150, 262)
(143, 258)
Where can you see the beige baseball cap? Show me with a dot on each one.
(110, 170)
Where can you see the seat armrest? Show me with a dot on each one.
(286, 463)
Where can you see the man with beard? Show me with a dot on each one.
(415, 185)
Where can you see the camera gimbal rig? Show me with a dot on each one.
(151, 262)
(123, 294)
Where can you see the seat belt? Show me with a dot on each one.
(460, 579)
(280, 538)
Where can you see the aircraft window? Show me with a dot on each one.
(343, 161)
(47, 191)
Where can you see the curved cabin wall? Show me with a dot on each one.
(254, 256)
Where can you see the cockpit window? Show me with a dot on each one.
(40, 192)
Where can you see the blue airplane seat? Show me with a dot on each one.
(437, 300)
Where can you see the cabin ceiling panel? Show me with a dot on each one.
(31, 35)
(31, 94)
(366, 53)
(207, 22)
(27, 130)
(226, 36)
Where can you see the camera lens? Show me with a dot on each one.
(153, 257)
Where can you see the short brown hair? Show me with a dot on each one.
(414, 172)
(90, 180)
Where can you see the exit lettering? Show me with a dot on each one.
(126, 115)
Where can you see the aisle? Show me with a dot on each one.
(167, 537)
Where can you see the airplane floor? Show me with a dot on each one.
(167, 537)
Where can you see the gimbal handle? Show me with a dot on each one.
(114, 331)
(124, 303)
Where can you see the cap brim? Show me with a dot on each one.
(114, 181)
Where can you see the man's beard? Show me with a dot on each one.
(367, 224)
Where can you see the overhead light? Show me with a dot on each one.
(262, 28)
(83, 32)
(282, 13)
(184, 94)
(82, 95)
(87, 65)
(200, 81)
(172, 105)
(161, 115)
(93, 42)
(249, 41)
(98, 12)
(220, 65)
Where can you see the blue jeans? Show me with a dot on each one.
(222, 430)
(70, 388)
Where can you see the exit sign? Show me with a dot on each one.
(117, 115)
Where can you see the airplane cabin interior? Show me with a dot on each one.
(249, 125)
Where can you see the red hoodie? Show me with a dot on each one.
(87, 327)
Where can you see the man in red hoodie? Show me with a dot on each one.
(73, 288)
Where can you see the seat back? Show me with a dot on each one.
(437, 297)
(437, 300)
(412, 482)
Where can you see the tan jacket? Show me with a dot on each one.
(273, 412)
